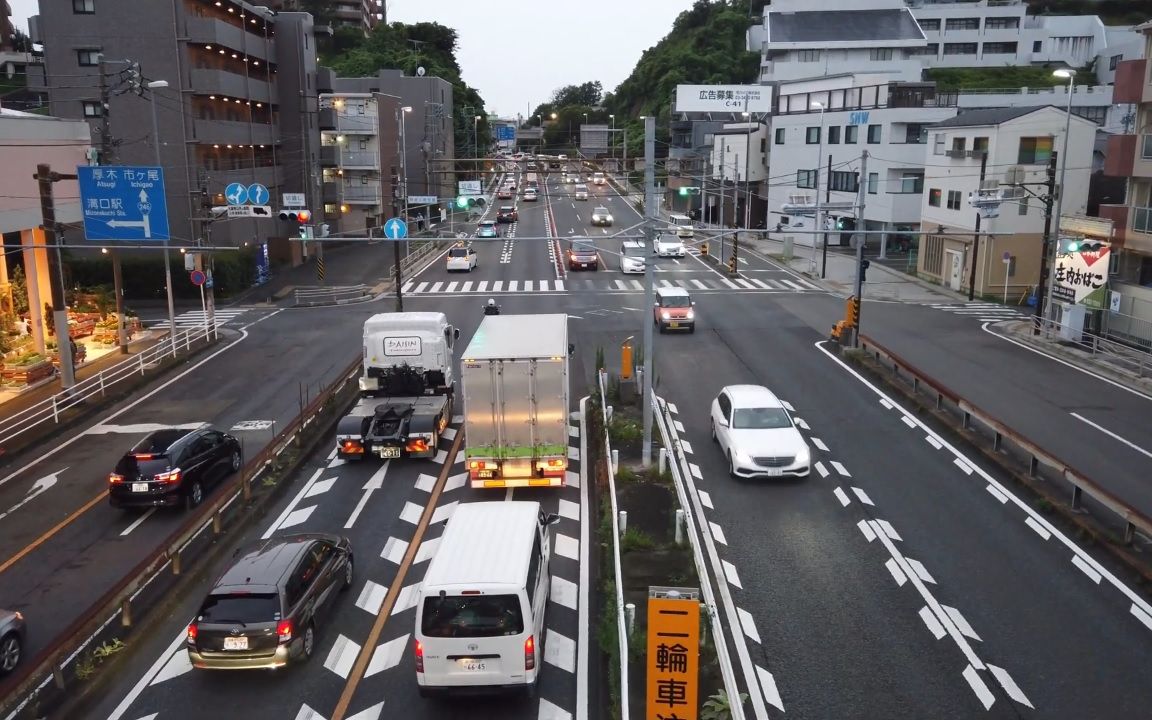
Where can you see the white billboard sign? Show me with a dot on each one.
(724, 98)
(468, 187)
(1082, 277)
(292, 199)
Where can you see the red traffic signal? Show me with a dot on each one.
(299, 215)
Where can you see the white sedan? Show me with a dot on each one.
(757, 435)
(669, 246)
(462, 258)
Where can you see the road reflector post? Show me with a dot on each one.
(673, 660)
(319, 268)
(704, 248)
(626, 361)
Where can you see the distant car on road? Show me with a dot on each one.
(632, 254)
(12, 632)
(507, 214)
(674, 310)
(504, 194)
(757, 435)
(581, 192)
(462, 258)
(582, 255)
(669, 246)
(487, 230)
(173, 467)
(601, 217)
(530, 195)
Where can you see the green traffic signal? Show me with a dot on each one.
(1073, 245)
(683, 191)
(461, 202)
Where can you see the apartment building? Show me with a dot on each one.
(375, 129)
(1129, 156)
(1019, 143)
(240, 105)
(825, 124)
(362, 14)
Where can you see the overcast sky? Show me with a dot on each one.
(516, 52)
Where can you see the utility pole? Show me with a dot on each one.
(651, 216)
(720, 258)
(44, 179)
(861, 268)
(976, 233)
(1049, 201)
(827, 199)
(106, 159)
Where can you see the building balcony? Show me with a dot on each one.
(327, 119)
(357, 124)
(330, 192)
(221, 82)
(1131, 84)
(226, 132)
(362, 194)
(329, 156)
(325, 79)
(211, 31)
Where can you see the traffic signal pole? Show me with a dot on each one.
(651, 213)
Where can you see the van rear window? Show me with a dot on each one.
(472, 616)
(240, 608)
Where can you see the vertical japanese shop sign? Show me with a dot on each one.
(673, 654)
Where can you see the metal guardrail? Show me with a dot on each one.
(1102, 350)
(335, 295)
(947, 400)
(54, 408)
(139, 591)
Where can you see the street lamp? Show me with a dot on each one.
(403, 113)
(1070, 74)
(819, 211)
(612, 136)
(157, 85)
(475, 139)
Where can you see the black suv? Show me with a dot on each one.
(173, 467)
(582, 255)
(262, 611)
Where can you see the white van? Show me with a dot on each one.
(681, 225)
(598, 178)
(480, 609)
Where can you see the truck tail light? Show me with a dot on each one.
(352, 447)
(419, 656)
(284, 630)
(530, 653)
(193, 631)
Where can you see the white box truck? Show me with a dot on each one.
(514, 380)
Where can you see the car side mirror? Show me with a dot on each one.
(456, 333)
(571, 349)
(723, 422)
(551, 519)
(693, 303)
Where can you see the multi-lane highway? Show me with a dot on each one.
(902, 579)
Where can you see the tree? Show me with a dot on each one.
(588, 94)
(20, 41)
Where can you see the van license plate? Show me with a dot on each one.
(673, 325)
(140, 487)
(389, 452)
(235, 643)
(472, 665)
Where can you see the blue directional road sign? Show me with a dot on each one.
(395, 229)
(123, 202)
(236, 194)
(257, 194)
(505, 132)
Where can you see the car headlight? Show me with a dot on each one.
(804, 457)
(666, 315)
(691, 314)
(741, 457)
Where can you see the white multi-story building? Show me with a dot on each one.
(350, 156)
(828, 123)
(1019, 143)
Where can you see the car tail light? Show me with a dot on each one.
(115, 478)
(530, 653)
(171, 477)
(193, 631)
(284, 630)
(419, 656)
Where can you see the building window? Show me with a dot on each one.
(779, 136)
(932, 49)
(930, 24)
(959, 48)
(873, 134)
(1022, 207)
(962, 24)
(999, 48)
(806, 179)
(807, 56)
(834, 135)
(329, 208)
(880, 54)
(1034, 150)
(84, 7)
(1001, 23)
(915, 134)
(934, 197)
(873, 183)
(953, 199)
(812, 136)
(1114, 61)
(844, 181)
(88, 58)
(980, 144)
(1037, 46)
(1097, 114)
(851, 134)
(958, 145)
(92, 109)
(913, 184)
(763, 145)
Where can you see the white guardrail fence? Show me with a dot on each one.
(53, 409)
(691, 507)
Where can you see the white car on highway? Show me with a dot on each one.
(462, 258)
(669, 246)
(632, 255)
(757, 435)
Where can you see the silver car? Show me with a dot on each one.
(12, 632)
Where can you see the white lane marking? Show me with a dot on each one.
(559, 650)
(137, 522)
(376, 482)
(886, 403)
(819, 444)
(1141, 615)
(695, 470)
(841, 469)
(320, 488)
(568, 547)
(800, 422)
(768, 687)
(933, 624)
(443, 512)
(979, 687)
(718, 533)
(371, 597)
(548, 711)
(679, 426)
(573, 453)
(1086, 569)
(705, 499)
(821, 469)
(406, 598)
(177, 665)
(455, 482)
(920, 570)
(869, 533)
(370, 713)
(686, 446)
(908, 421)
(342, 656)
(961, 623)
(441, 456)
(994, 492)
(933, 442)
(863, 496)
(1010, 686)
(427, 550)
(571, 479)
(387, 655)
(897, 574)
(425, 482)
(841, 496)
(411, 513)
(292, 505)
(145, 428)
(448, 434)
(570, 510)
(965, 467)
(672, 408)
(307, 713)
(787, 406)
(731, 574)
(1113, 435)
(748, 624)
(564, 592)
(297, 517)
(574, 431)
(394, 550)
(1040, 529)
(889, 531)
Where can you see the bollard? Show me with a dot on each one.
(630, 617)
(608, 413)
(615, 461)
(622, 519)
(662, 460)
(176, 563)
(679, 526)
(217, 523)
(126, 613)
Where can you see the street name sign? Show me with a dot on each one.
(121, 202)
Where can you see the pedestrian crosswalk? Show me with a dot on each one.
(195, 318)
(983, 311)
(609, 285)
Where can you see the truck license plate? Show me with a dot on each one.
(485, 474)
(235, 643)
(140, 487)
(389, 452)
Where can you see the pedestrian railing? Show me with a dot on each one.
(1126, 357)
(334, 295)
(55, 409)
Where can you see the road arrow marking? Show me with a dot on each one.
(374, 483)
(33, 492)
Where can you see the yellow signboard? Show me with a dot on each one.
(673, 654)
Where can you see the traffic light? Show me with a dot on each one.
(299, 215)
(852, 308)
(470, 201)
(691, 190)
(462, 201)
(136, 79)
